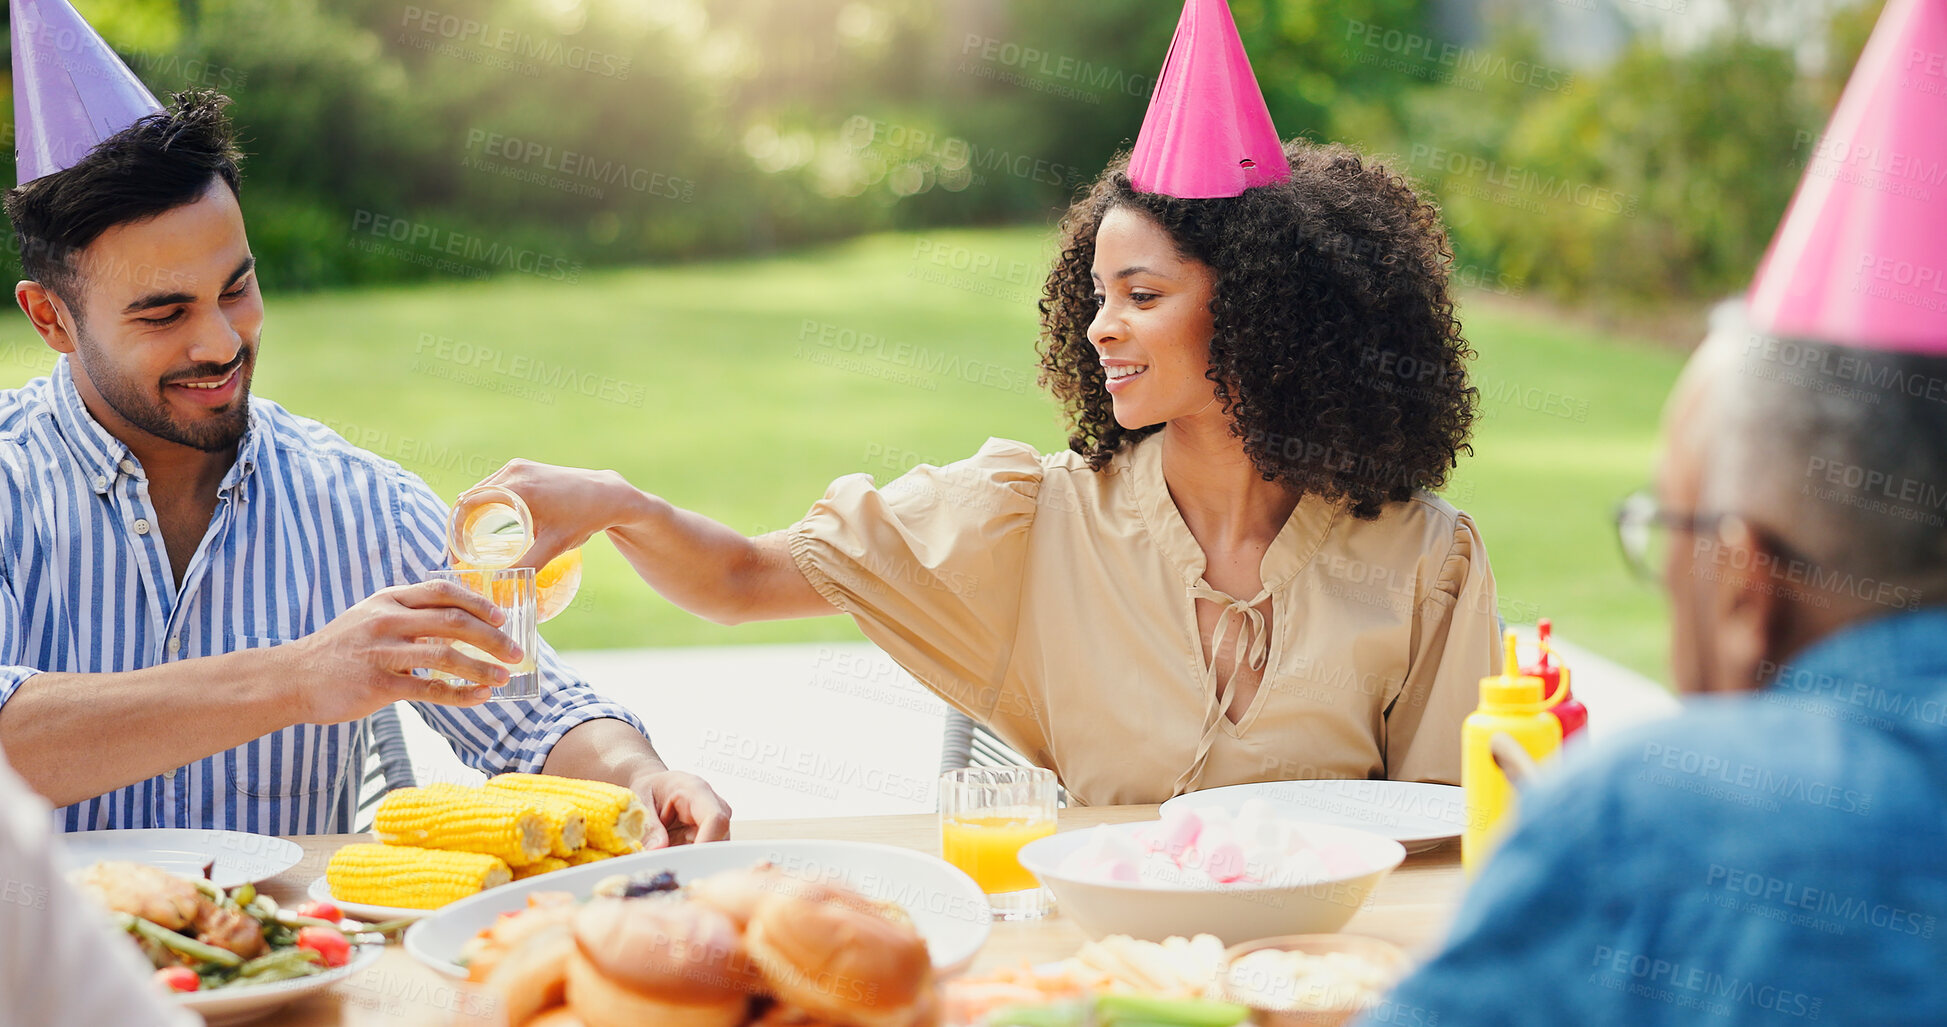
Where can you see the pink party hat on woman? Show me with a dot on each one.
(1207, 132)
(1861, 257)
(70, 90)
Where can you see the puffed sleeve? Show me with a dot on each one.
(1457, 641)
(931, 565)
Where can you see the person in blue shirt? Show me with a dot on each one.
(1778, 852)
(202, 595)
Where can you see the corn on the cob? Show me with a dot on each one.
(463, 819)
(585, 856)
(400, 875)
(616, 818)
(567, 825)
(544, 865)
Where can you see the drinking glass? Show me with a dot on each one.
(491, 527)
(986, 815)
(511, 589)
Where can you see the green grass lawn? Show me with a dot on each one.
(741, 389)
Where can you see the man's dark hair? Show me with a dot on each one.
(163, 161)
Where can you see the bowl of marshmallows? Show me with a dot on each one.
(1254, 874)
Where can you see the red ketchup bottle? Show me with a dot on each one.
(1554, 678)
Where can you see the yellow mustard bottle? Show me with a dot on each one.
(1514, 705)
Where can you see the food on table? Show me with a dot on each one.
(545, 909)
(328, 943)
(657, 959)
(806, 939)
(232, 929)
(1123, 1011)
(1175, 968)
(514, 827)
(446, 816)
(567, 827)
(199, 936)
(410, 877)
(143, 891)
(616, 818)
(736, 893)
(544, 865)
(626, 886)
(744, 947)
(178, 978)
(533, 976)
(1209, 848)
(1140, 1011)
(320, 910)
(1288, 981)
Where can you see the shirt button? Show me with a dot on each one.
(175, 645)
(128, 466)
(141, 525)
(100, 483)
(170, 774)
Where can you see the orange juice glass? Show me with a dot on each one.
(491, 528)
(986, 815)
(511, 589)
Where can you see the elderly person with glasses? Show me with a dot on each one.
(1777, 852)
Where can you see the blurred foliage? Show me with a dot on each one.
(441, 138)
(1638, 181)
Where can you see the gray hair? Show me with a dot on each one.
(1839, 451)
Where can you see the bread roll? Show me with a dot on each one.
(659, 960)
(559, 1016)
(736, 893)
(531, 976)
(837, 956)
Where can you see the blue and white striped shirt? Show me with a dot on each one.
(306, 525)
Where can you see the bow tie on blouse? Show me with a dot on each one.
(1253, 644)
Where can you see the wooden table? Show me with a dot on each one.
(1410, 908)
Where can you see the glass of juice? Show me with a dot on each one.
(986, 815)
(491, 527)
(511, 589)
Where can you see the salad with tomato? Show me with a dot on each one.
(199, 936)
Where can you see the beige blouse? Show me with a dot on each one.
(1056, 605)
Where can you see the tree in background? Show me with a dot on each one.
(392, 140)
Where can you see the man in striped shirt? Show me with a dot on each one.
(202, 595)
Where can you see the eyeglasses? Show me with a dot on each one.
(1643, 527)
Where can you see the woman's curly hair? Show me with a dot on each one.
(1336, 353)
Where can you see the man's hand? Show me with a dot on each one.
(365, 658)
(686, 809)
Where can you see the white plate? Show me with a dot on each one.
(221, 1006)
(237, 858)
(321, 890)
(1418, 816)
(946, 906)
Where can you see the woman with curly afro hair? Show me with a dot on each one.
(1236, 572)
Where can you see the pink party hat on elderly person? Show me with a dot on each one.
(1861, 257)
(70, 90)
(1207, 132)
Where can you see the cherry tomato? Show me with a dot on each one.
(329, 944)
(320, 910)
(178, 978)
